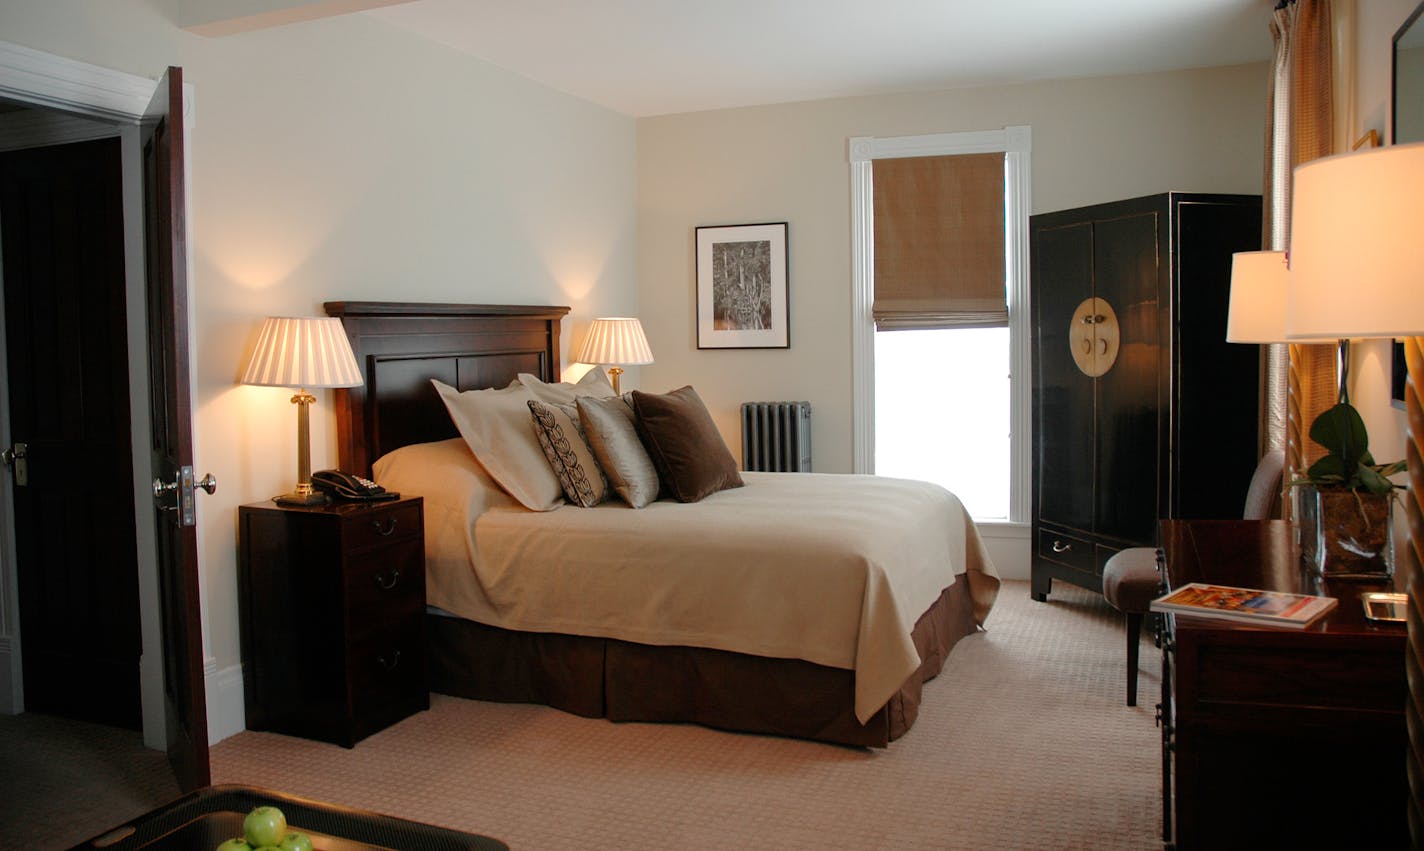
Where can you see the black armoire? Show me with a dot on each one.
(1141, 409)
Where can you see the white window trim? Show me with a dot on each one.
(1016, 143)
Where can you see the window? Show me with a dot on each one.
(950, 404)
(939, 421)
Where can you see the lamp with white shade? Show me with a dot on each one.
(305, 353)
(1257, 310)
(617, 341)
(1357, 267)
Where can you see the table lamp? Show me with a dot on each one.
(1357, 270)
(306, 353)
(615, 340)
(1256, 312)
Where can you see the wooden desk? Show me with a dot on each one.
(1278, 737)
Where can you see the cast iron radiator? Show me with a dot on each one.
(776, 436)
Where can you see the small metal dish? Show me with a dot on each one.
(1385, 607)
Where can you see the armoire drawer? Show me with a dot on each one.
(1066, 550)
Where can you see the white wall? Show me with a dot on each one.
(1094, 140)
(345, 160)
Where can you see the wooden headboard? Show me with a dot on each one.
(400, 346)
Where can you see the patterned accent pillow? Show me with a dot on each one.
(562, 440)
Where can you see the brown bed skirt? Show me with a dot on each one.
(624, 681)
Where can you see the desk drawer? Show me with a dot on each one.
(1066, 550)
(1239, 675)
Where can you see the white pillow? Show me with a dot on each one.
(594, 383)
(497, 427)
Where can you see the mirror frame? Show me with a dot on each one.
(1397, 367)
(1394, 70)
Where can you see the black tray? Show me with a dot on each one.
(202, 820)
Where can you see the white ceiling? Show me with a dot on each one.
(654, 57)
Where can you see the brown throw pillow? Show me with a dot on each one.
(692, 459)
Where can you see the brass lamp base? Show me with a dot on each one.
(305, 494)
(314, 498)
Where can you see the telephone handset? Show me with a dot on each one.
(346, 486)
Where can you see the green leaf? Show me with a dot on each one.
(1341, 431)
(1372, 481)
(1329, 469)
(1390, 469)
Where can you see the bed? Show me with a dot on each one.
(846, 669)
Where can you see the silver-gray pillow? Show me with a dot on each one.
(608, 426)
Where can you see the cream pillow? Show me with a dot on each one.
(495, 424)
(594, 383)
(561, 438)
(608, 425)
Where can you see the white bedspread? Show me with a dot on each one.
(832, 569)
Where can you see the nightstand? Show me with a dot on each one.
(332, 601)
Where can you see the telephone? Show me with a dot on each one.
(346, 486)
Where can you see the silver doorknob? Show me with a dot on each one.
(182, 487)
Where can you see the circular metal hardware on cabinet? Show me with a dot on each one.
(1094, 337)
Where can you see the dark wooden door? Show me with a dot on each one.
(1064, 407)
(67, 355)
(185, 708)
(1126, 275)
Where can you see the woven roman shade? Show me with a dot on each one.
(939, 242)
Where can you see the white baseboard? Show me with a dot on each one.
(1009, 547)
(226, 716)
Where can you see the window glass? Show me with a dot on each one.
(942, 413)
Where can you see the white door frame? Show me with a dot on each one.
(119, 99)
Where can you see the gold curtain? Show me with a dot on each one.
(939, 242)
(1300, 128)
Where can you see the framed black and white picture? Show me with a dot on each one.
(741, 287)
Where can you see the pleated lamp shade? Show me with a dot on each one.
(1260, 282)
(615, 340)
(307, 352)
(1356, 257)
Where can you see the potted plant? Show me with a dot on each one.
(1346, 500)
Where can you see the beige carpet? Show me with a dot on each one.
(1023, 742)
(62, 782)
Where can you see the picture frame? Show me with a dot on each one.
(742, 273)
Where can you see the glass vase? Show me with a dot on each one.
(1347, 534)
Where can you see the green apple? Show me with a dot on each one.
(294, 841)
(238, 844)
(264, 826)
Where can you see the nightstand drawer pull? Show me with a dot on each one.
(387, 581)
(389, 662)
(384, 530)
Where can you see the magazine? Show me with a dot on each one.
(1244, 605)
